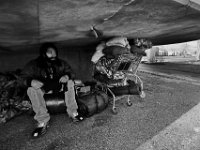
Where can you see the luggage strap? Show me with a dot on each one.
(96, 101)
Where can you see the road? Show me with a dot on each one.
(180, 71)
(167, 100)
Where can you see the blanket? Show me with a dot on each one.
(13, 97)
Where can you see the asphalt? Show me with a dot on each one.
(180, 71)
(167, 100)
(184, 133)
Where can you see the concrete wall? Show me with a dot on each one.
(78, 58)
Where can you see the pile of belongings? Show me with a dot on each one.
(13, 97)
(110, 56)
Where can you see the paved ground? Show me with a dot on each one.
(167, 99)
(183, 134)
(188, 72)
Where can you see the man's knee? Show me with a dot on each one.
(32, 90)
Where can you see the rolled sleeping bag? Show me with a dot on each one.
(118, 41)
(115, 51)
(130, 89)
(55, 103)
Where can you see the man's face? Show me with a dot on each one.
(51, 53)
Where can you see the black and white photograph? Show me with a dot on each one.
(99, 74)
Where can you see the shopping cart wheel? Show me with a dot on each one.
(142, 94)
(129, 103)
(114, 110)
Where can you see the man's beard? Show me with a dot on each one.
(51, 61)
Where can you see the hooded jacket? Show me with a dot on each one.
(44, 70)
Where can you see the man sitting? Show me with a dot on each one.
(46, 74)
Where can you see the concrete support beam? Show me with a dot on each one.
(191, 3)
(198, 50)
(151, 54)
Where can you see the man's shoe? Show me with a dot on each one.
(77, 118)
(40, 130)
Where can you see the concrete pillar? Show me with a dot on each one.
(151, 54)
(198, 50)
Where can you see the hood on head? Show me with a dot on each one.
(45, 46)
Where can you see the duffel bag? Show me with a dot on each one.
(92, 103)
(55, 103)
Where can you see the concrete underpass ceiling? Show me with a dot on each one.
(27, 22)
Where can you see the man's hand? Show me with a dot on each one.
(36, 84)
(64, 79)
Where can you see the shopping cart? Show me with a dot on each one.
(117, 74)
